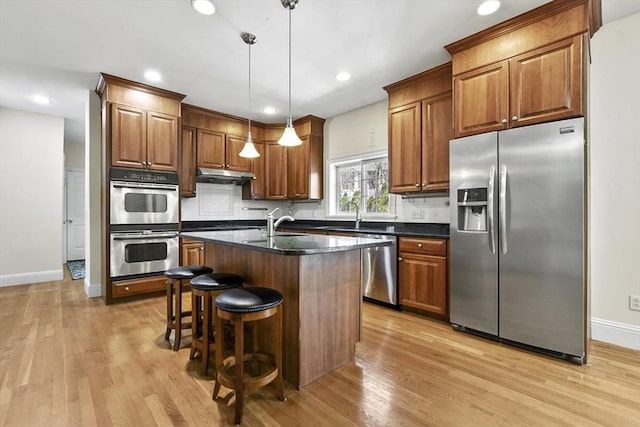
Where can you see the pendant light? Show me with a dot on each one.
(289, 138)
(249, 150)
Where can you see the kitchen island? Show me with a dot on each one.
(319, 276)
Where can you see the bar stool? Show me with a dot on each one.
(242, 305)
(204, 289)
(175, 277)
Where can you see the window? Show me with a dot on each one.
(361, 184)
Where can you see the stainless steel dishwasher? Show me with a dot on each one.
(379, 267)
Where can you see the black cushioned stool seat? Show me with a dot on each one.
(175, 277)
(204, 289)
(242, 305)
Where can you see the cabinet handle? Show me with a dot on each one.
(424, 184)
(399, 258)
(504, 120)
(126, 288)
(514, 118)
(419, 245)
(418, 185)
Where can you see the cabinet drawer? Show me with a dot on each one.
(138, 286)
(423, 246)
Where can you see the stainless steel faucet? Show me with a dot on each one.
(271, 225)
(358, 217)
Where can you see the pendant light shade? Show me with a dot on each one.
(289, 137)
(249, 150)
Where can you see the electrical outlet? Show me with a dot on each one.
(634, 302)
(418, 213)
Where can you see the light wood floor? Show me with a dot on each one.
(66, 360)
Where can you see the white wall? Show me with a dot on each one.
(73, 155)
(93, 196)
(31, 186)
(615, 179)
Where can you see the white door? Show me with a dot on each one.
(75, 215)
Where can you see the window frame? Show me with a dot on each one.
(332, 186)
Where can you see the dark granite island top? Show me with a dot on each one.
(319, 277)
(285, 243)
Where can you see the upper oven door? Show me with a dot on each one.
(143, 203)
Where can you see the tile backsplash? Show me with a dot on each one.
(224, 202)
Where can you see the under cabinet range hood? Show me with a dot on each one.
(223, 176)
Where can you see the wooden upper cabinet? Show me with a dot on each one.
(298, 170)
(128, 136)
(481, 99)
(254, 189)
(529, 69)
(275, 171)
(420, 127)
(162, 142)
(405, 142)
(437, 131)
(143, 139)
(210, 149)
(233, 146)
(547, 83)
(188, 162)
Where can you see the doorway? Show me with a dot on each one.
(75, 220)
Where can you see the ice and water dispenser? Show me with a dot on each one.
(472, 209)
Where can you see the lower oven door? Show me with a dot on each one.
(143, 253)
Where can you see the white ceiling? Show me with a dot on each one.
(58, 48)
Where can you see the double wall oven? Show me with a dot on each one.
(143, 223)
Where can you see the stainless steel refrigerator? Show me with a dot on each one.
(518, 236)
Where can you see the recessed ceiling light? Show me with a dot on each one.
(488, 7)
(343, 77)
(269, 110)
(152, 76)
(205, 7)
(41, 99)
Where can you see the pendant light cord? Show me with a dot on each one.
(250, 86)
(289, 63)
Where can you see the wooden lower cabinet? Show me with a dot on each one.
(423, 275)
(132, 287)
(191, 252)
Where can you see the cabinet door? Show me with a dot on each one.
(481, 100)
(254, 189)
(547, 83)
(162, 142)
(275, 171)
(233, 147)
(404, 148)
(192, 252)
(128, 136)
(423, 282)
(188, 162)
(298, 170)
(210, 152)
(437, 131)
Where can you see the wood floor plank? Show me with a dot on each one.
(66, 360)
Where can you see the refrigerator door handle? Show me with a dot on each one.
(503, 209)
(492, 237)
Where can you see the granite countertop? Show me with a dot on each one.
(436, 230)
(285, 243)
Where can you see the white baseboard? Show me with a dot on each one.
(616, 333)
(31, 277)
(92, 290)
